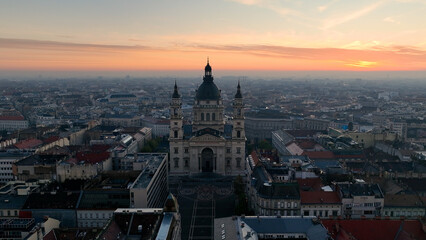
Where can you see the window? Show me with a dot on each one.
(175, 123)
(176, 150)
(207, 116)
(228, 162)
(238, 150)
(228, 150)
(202, 116)
(238, 134)
(213, 116)
(176, 160)
(238, 162)
(186, 162)
(176, 134)
(305, 213)
(186, 150)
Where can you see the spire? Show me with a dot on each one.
(208, 69)
(175, 92)
(238, 94)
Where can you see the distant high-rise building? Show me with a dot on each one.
(208, 145)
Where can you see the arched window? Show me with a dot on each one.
(213, 116)
(202, 116)
(207, 116)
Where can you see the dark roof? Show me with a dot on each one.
(267, 113)
(310, 184)
(39, 159)
(122, 95)
(128, 223)
(108, 199)
(12, 201)
(54, 200)
(403, 200)
(273, 225)
(277, 190)
(208, 89)
(351, 190)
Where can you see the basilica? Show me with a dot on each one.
(208, 145)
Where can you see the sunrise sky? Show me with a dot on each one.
(361, 35)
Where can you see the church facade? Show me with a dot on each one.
(208, 144)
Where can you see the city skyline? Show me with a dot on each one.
(255, 35)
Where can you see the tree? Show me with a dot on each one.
(265, 145)
(241, 204)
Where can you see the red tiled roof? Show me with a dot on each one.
(92, 157)
(255, 157)
(28, 144)
(99, 148)
(375, 229)
(319, 197)
(16, 118)
(350, 156)
(306, 144)
(310, 184)
(51, 139)
(111, 232)
(319, 154)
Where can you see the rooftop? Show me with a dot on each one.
(104, 199)
(319, 197)
(39, 159)
(153, 161)
(52, 200)
(274, 225)
(129, 222)
(268, 189)
(375, 229)
(403, 200)
(8, 201)
(360, 189)
(9, 118)
(28, 144)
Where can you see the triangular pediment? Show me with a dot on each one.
(206, 138)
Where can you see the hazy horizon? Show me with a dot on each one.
(364, 75)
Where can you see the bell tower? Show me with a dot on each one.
(238, 116)
(176, 118)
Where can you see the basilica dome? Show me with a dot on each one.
(208, 89)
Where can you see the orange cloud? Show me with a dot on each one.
(28, 54)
